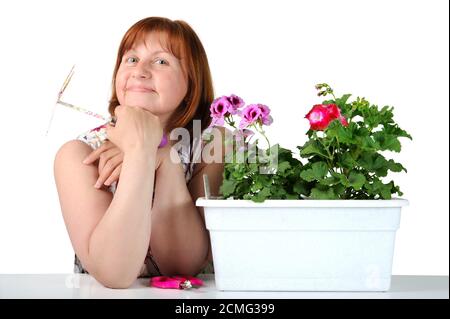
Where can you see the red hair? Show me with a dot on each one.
(182, 42)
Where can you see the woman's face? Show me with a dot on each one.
(151, 78)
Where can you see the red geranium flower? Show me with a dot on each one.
(320, 116)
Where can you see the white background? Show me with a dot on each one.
(272, 52)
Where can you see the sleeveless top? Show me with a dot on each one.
(188, 156)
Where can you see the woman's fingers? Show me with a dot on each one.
(95, 154)
(114, 176)
(109, 169)
(106, 156)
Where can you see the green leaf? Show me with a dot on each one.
(346, 160)
(248, 197)
(227, 188)
(395, 167)
(277, 192)
(308, 175)
(396, 189)
(312, 147)
(339, 190)
(252, 168)
(282, 167)
(262, 195)
(301, 188)
(323, 193)
(341, 178)
(342, 100)
(385, 114)
(343, 134)
(257, 185)
(374, 162)
(237, 170)
(317, 171)
(320, 169)
(331, 180)
(356, 180)
(387, 141)
(378, 188)
(385, 191)
(369, 144)
(396, 131)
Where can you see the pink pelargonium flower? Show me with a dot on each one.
(224, 106)
(254, 113)
(220, 106)
(320, 116)
(266, 118)
(235, 104)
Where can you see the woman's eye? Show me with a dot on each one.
(131, 60)
(161, 61)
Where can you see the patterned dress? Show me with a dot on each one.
(189, 156)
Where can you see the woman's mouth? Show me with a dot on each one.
(139, 89)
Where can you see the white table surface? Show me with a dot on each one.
(84, 286)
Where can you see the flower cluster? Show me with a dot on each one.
(225, 107)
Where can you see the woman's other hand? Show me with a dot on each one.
(110, 159)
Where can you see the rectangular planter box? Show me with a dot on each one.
(302, 245)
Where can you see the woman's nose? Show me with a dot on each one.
(141, 73)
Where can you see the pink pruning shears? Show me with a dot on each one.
(175, 282)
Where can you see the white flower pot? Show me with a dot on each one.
(302, 245)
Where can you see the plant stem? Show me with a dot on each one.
(228, 121)
(262, 133)
(330, 165)
(338, 148)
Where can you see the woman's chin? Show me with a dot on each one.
(141, 104)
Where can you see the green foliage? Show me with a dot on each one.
(249, 180)
(351, 155)
(342, 162)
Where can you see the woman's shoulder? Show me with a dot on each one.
(81, 146)
(68, 161)
(72, 150)
(84, 143)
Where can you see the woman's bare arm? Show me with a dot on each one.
(180, 240)
(110, 234)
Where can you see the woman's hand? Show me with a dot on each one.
(110, 159)
(136, 129)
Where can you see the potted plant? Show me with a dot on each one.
(321, 218)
